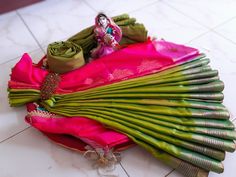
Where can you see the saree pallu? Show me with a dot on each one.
(163, 96)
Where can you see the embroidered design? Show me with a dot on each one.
(188, 169)
(88, 81)
(147, 65)
(120, 74)
(40, 113)
(49, 85)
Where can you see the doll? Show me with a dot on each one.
(107, 34)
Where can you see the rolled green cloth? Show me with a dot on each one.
(133, 33)
(120, 17)
(125, 22)
(64, 56)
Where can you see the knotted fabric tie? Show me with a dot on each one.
(49, 85)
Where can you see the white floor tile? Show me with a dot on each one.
(55, 20)
(11, 119)
(139, 163)
(209, 13)
(164, 22)
(15, 37)
(32, 154)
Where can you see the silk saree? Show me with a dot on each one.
(163, 96)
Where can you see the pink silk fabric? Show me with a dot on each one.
(133, 61)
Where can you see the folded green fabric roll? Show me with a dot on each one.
(125, 22)
(120, 17)
(133, 34)
(64, 56)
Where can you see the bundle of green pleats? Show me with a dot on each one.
(132, 32)
(176, 114)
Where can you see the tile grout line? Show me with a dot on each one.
(90, 6)
(214, 31)
(170, 172)
(12, 59)
(147, 5)
(32, 34)
(12, 136)
(5, 62)
(202, 34)
(198, 36)
(224, 22)
(219, 34)
(203, 25)
(124, 169)
(234, 120)
(186, 15)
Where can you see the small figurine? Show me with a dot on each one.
(107, 34)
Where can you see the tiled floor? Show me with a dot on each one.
(207, 25)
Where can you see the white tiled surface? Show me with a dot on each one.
(14, 36)
(207, 25)
(55, 19)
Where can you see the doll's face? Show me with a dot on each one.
(103, 21)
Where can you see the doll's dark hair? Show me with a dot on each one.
(101, 15)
